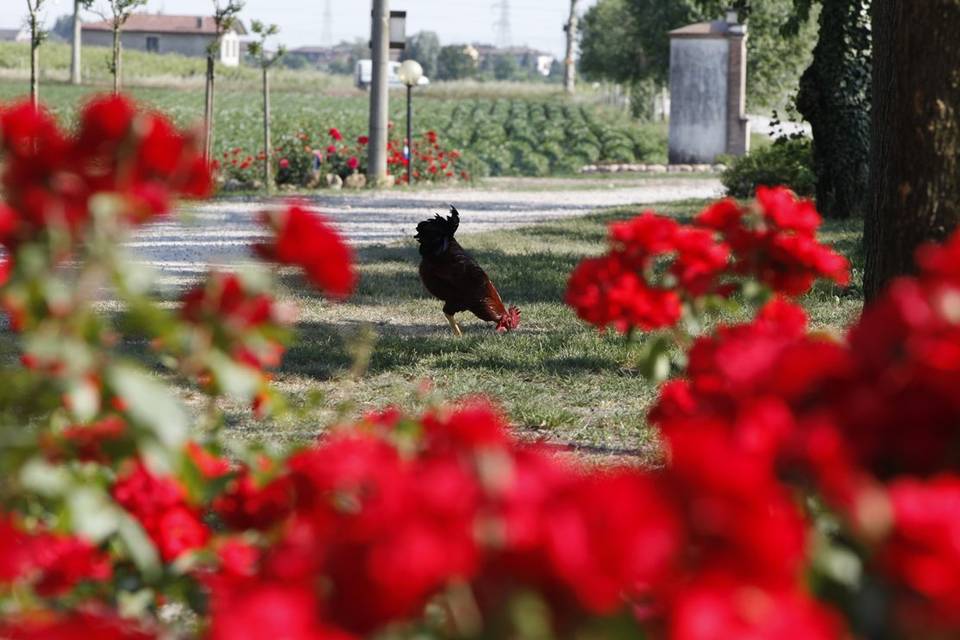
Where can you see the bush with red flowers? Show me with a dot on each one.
(306, 158)
(810, 487)
(663, 275)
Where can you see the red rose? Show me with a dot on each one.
(306, 240)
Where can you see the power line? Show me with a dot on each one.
(501, 27)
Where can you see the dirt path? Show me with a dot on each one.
(221, 232)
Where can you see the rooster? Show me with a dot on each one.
(452, 275)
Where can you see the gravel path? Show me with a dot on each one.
(221, 232)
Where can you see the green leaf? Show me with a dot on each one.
(150, 404)
(236, 380)
(93, 514)
(142, 551)
(134, 604)
(83, 399)
(46, 479)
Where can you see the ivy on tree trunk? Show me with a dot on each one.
(834, 97)
(915, 170)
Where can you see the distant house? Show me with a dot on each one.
(342, 55)
(186, 35)
(527, 58)
(15, 35)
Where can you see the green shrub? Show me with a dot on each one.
(788, 162)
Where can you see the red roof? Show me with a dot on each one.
(156, 23)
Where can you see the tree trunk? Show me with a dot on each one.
(915, 170)
(34, 57)
(35, 72)
(570, 69)
(116, 59)
(834, 97)
(267, 147)
(208, 110)
(75, 73)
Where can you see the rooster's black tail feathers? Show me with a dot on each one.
(434, 234)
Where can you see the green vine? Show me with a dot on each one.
(835, 97)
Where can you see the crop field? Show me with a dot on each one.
(512, 136)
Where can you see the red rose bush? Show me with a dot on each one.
(307, 158)
(810, 487)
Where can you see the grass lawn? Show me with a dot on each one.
(557, 378)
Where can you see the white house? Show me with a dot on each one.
(186, 35)
(15, 35)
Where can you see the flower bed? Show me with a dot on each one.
(306, 160)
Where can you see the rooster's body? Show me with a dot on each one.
(452, 275)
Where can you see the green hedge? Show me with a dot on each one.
(787, 161)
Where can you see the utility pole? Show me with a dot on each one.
(379, 97)
(326, 34)
(570, 69)
(502, 25)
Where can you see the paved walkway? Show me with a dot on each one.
(221, 232)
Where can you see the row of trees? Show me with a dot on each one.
(455, 62)
(117, 12)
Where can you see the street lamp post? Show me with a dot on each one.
(410, 74)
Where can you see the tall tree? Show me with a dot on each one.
(454, 62)
(915, 168)
(570, 68)
(424, 47)
(75, 41)
(258, 50)
(834, 97)
(224, 17)
(505, 67)
(120, 12)
(610, 48)
(37, 36)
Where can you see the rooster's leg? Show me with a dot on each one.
(453, 324)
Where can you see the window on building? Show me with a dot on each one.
(153, 44)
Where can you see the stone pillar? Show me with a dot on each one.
(738, 127)
(708, 92)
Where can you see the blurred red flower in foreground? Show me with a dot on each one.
(306, 240)
(50, 178)
(656, 265)
(160, 505)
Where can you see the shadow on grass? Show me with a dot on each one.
(390, 275)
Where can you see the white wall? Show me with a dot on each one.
(230, 50)
(194, 45)
(698, 99)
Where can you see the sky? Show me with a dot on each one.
(537, 23)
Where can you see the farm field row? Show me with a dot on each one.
(516, 136)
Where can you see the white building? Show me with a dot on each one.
(186, 35)
(15, 35)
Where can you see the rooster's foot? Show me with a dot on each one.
(454, 325)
